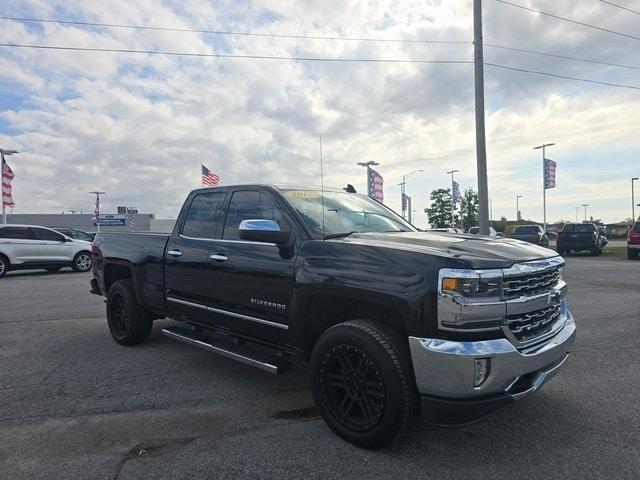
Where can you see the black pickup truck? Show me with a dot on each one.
(576, 237)
(393, 320)
(532, 234)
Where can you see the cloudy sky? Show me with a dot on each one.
(138, 126)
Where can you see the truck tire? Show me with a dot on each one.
(595, 251)
(81, 262)
(631, 254)
(128, 323)
(4, 265)
(363, 384)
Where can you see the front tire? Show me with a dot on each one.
(128, 323)
(362, 382)
(81, 262)
(4, 266)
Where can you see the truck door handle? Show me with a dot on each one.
(218, 257)
(174, 253)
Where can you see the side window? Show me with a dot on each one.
(49, 235)
(204, 215)
(17, 233)
(247, 205)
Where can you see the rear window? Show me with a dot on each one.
(17, 233)
(530, 229)
(579, 228)
(204, 215)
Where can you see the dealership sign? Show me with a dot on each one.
(112, 221)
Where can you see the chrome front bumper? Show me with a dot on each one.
(446, 369)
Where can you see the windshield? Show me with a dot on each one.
(344, 213)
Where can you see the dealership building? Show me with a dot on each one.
(109, 222)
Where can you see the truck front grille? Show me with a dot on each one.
(530, 284)
(530, 325)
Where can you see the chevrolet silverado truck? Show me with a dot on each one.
(532, 234)
(575, 237)
(394, 321)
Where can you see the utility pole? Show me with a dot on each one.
(585, 205)
(4, 152)
(518, 197)
(633, 201)
(453, 200)
(481, 147)
(544, 186)
(96, 210)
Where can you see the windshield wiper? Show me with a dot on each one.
(339, 235)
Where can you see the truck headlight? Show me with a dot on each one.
(471, 283)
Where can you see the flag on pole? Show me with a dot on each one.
(374, 185)
(95, 218)
(132, 221)
(549, 173)
(7, 176)
(457, 197)
(208, 178)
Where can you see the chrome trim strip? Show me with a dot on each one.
(231, 314)
(248, 242)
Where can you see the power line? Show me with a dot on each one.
(225, 32)
(626, 35)
(621, 7)
(565, 57)
(225, 55)
(566, 77)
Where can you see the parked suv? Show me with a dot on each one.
(30, 246)
(633, 241)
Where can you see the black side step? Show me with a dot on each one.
(234, 351)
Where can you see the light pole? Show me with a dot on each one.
(402, 186)
(544, 187)
(633, 201)
(518, 197)
(585, 205)
(368, 164)
(453, 200)
(4, 152)
(97, 208)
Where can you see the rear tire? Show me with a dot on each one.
(128, 323)
(81, 262)
(363, 384)
(4, 265)
(595, 251)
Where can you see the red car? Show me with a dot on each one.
(633, 241)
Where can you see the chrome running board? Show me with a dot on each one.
(234, 351)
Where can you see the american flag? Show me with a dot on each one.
(7, 176)
(95, 218)
(132, 221)
(209, 179)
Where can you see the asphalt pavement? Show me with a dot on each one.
(74, 404)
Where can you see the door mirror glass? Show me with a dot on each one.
(259, 230)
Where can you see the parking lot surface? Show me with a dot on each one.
(74, 404)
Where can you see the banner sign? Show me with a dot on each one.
(457, 197)
(405, 201)
(374, 184)
(112, 221)
(549, 173)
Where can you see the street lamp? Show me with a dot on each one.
(544, 190)
(402, 187)
(4, 152)
(368, 164)
(633, 201)
(518, 197)
(453, 199)
(585, 205)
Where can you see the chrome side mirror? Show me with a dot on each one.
(259, 230)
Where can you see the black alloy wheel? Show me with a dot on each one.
(352, 387)
(4, 266)
(128, 322)
(118, 314)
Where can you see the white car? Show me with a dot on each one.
(31, 246)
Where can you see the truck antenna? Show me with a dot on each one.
(322, 187)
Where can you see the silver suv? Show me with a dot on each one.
(30, 246)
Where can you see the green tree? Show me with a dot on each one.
(439, 212)
(469, 208)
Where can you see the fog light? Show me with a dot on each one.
(481, 371)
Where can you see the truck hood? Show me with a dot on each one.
(478, 250)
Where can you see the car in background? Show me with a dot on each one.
(476, 231)
(576, 237)
(633, 241)
(443, 230)
(532, 234)
(76, 234)
(34, 247)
